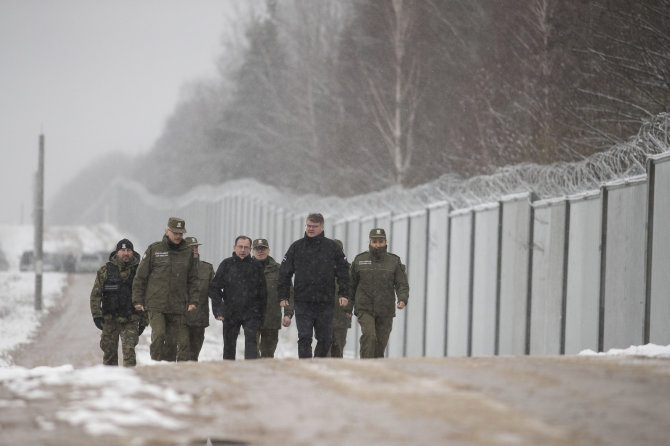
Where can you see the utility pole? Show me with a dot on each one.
(39, 225)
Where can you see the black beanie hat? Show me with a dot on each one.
(124, 244)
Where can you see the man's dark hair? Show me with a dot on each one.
(242, 237)
(316, 218)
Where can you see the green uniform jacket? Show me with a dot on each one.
(273, 315)
(200, 316)
(340, 318)
(375, 280)
(167, 278)
(101, 278)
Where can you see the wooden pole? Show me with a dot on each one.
(39, 226)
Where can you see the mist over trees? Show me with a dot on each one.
(350, 96)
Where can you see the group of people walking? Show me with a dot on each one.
(169, 288)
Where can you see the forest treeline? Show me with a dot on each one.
(349, 96)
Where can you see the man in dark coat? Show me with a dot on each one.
(238, 296)
(316, 261)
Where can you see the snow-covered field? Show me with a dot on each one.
(18, 319)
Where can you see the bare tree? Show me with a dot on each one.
(308, 32)
(393, 115)
(628, 70)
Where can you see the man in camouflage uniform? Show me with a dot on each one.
(268, 335)
(341, 320)
(166, 286)
(196, 320)
(112, 307)
(376, 277)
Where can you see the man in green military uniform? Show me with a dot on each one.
(268, 335)
(166, 286)
(112, 307)
(376, 277)
(198, 319)
(341, 320)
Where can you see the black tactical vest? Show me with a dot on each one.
(117, 293)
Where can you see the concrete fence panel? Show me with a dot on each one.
(400, 242)
(582, 296)
(416, 274)
(485, 264)
(436, 287)
(547, 292)
(516, 233)
(622, 294)
(658, 258)
(459, 288)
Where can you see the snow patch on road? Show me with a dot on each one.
(103, 400)
(647, 350)
(19, 320)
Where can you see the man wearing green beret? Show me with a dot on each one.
(166, 286)
(377, 276)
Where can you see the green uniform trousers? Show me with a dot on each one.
(114, 328)
(164, 325)
(267, 339)
(339, 341)
(196, 337)
(375, 332)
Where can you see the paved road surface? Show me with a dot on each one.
(459, 401)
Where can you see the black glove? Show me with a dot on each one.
(98, 322)
(139, 332)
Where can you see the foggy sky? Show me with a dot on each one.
(94, 77)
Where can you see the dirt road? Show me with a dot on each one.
(66, 333)
(460, 401)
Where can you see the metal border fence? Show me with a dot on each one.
(512, 277)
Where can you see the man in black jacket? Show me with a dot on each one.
(238, 296)
(316, 261)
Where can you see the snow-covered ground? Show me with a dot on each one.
(18, 319)
(106, 400)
